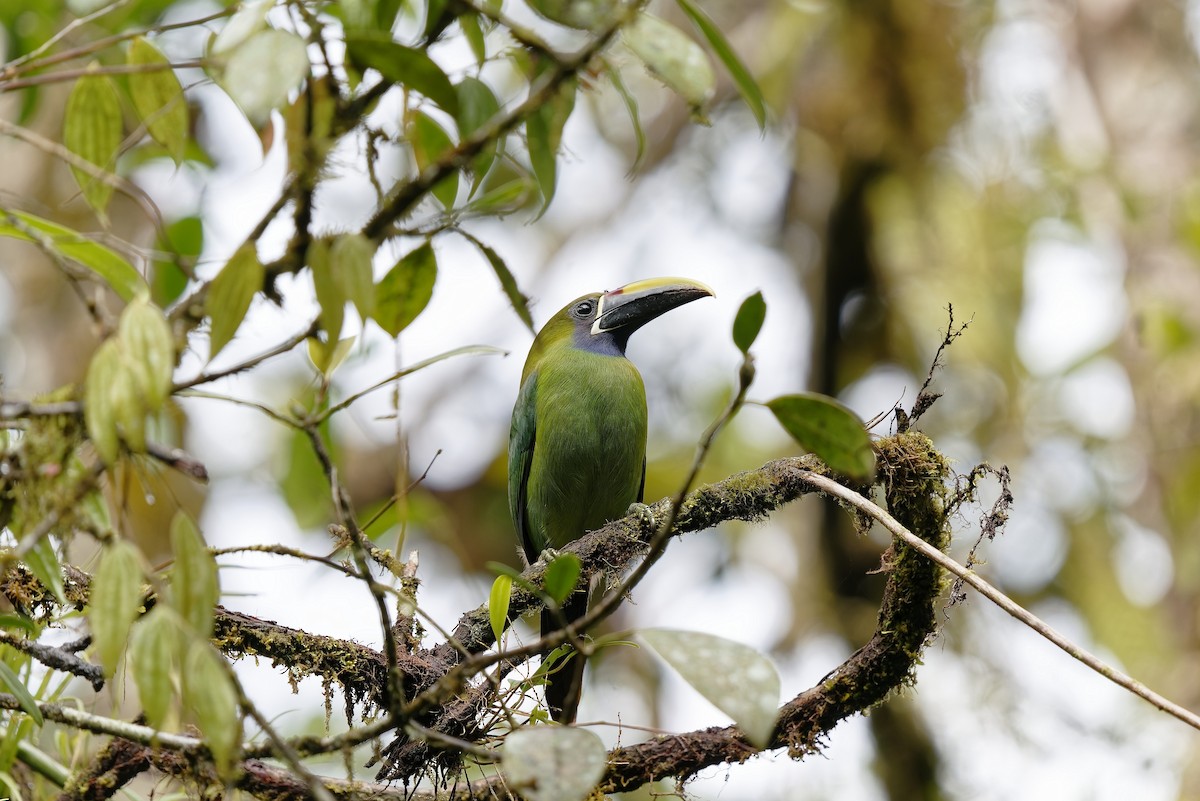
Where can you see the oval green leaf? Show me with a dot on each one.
(152, 660)
(405, 291)
(407, 66)
(116, 597)
(328, 289)
(195, 588)
(351, 256)
(735, 678)
(828, 429)
(543, 133)
(145, 338)
(429, 143)
(671, 56)
(158, 98)
(498, 600)
(516, 298)
(562, 574)
(261, 72)
(42, 560)
(553, 763)
(92, 131)
(230, 294)
(99, 415)
(212, 701)
(749, 321)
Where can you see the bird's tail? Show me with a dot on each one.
(564, 685)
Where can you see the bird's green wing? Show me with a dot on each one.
(521, 437)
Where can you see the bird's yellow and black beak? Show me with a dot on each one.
(627, 308)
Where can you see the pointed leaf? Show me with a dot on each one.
(328, 356)
(351, 257)
(749, 321)
(543, 131)
(429, 143)
(477, 105)
(828, 429)
(673, 58)
(114, 270)
(407, 66)
(195, 589)
(249, 20)
(99, 415)
(158, 98)
(746, 85)
(145, 338)
(261, 72)
(212, 700)
(562, 574)
(587, 15)
(180, 245)
(498, 601)
(473, 33)
(517, 299)
(127, 405)
(230, 294)
(11, 682)
(405, 291)
(152, 660)
(92, 131)
(42, 559)
(553, 763)
(734, 677)
(116, 597)
(631, 107)
(328, 289)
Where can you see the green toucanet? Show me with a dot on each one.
(577, 446)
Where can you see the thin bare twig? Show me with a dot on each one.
(1001, 600)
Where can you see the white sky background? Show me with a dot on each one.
(1074, 740)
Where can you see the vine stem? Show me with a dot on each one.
(1001, 600)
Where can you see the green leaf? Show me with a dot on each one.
(746, 85)
(99, 414)
(261, 72)
(114, 270)
(672, 57)
(828, 429)
(92, 131)
(230, 294)
(543, 132)
(553, 763)
(405, 291)
(127, 405)
(749, 321)
(11, 682)
(631, 107)
(42, 560)
(12, 620)
(498, 601)
(328, 289)
(517, 299)
(184, 240)
(152, 661)
(351, 256)
(249, 20)
(587, 15)
(504, 197)
(212, 700)
(116, 597)
(195, 588)
(473, 33)
(734, 677)
(477, 105)
(429, 143)
(407, 66)
(328, 356)
(145, 338)
(562, 574)
(158, 98)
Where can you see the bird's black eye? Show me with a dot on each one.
(584, 309)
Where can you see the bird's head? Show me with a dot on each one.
(603, 321)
